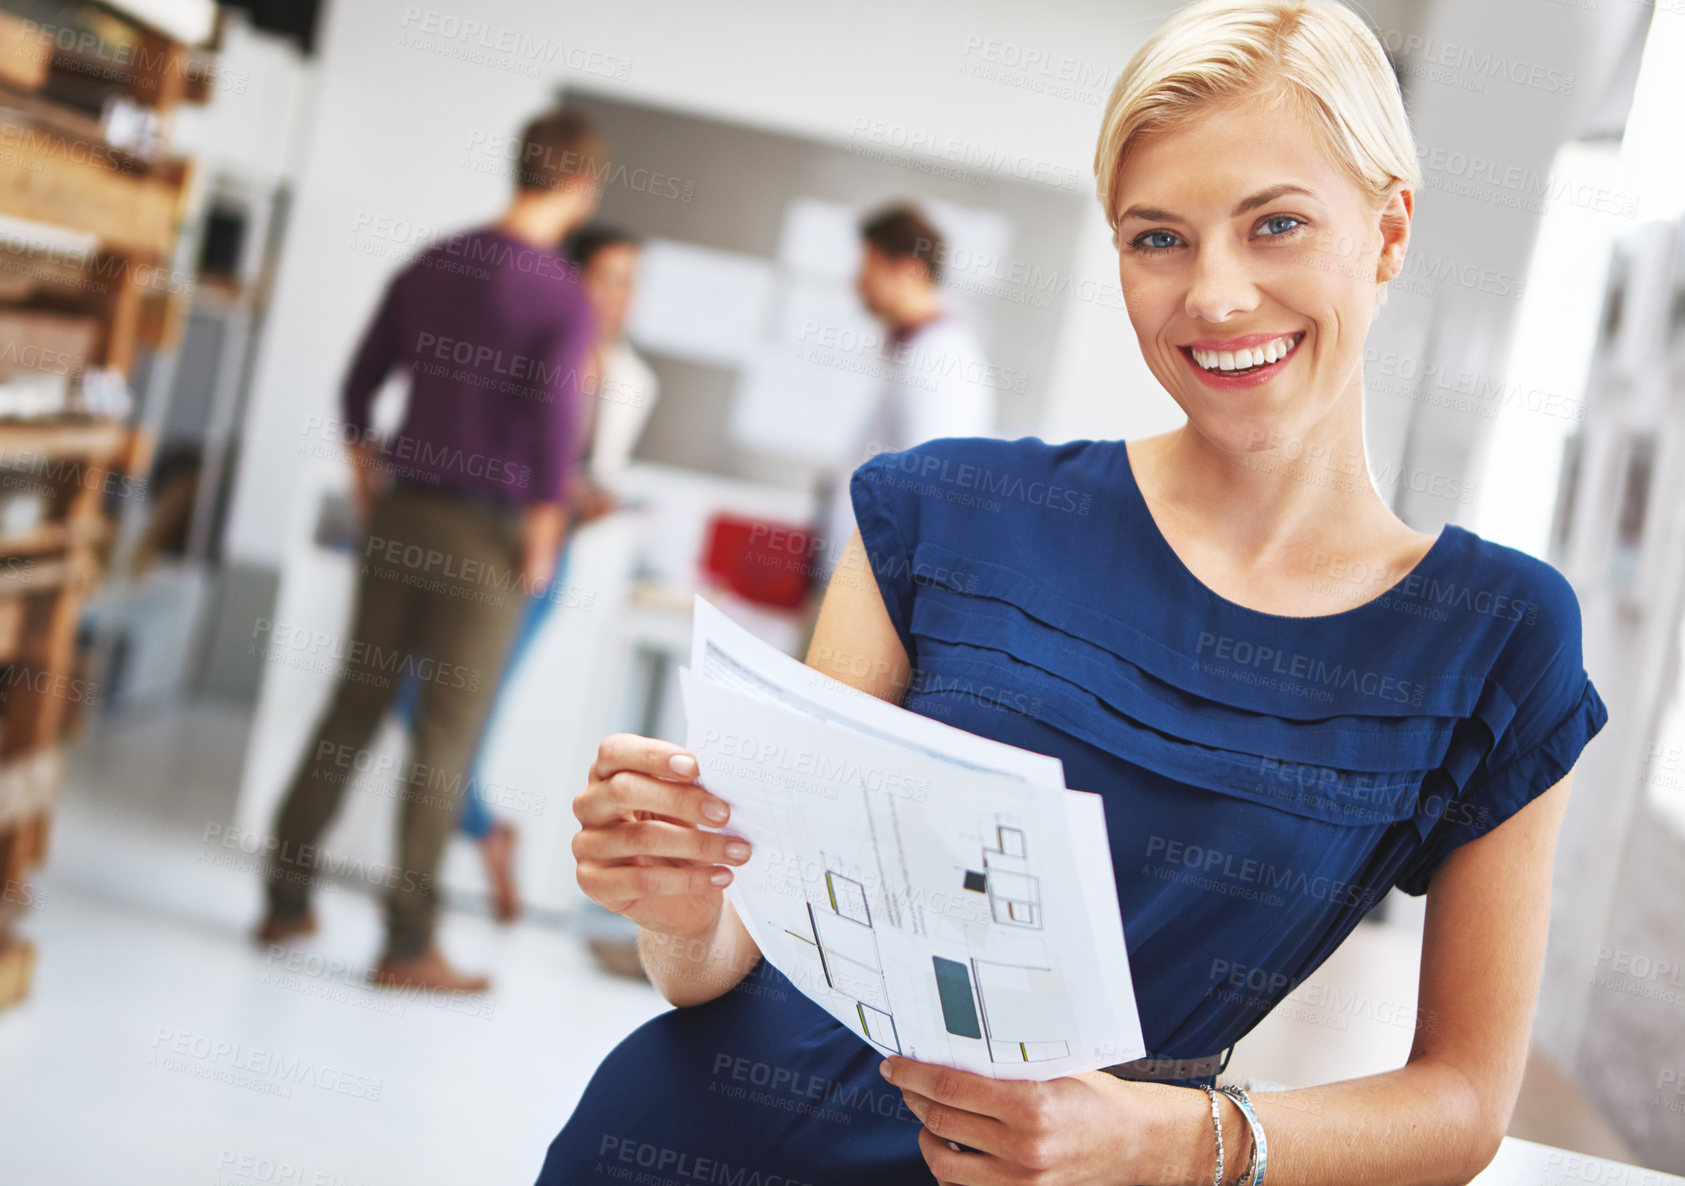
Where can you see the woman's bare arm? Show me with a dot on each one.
(1440, 1117)
(694, 971)
(854, 642)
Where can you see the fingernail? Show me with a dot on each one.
(737, 850)
(953, 1146)
(883, 1069)
(719, 877)
(682, 764)
(714, 810)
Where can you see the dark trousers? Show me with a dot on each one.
(438, 597)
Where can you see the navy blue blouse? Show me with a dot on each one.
(1267, 779)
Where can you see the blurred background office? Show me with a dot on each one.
(200, 205)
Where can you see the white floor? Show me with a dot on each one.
(160, 1046)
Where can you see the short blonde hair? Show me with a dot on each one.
(1315, 59)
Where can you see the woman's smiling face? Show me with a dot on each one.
(1237, 234)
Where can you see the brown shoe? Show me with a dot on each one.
(619, 957)
(274, 930)
(427, 970)
(498, 849)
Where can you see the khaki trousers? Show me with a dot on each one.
(438, 597)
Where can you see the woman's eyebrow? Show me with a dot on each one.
(1262, 198)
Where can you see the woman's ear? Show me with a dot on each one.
(1395, 231)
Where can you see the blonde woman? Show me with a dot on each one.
(1278, 741)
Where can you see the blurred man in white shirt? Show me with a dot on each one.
(937, 382)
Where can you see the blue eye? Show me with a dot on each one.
(1140, 246)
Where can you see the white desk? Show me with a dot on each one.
(1523, 1163)
(654, 637)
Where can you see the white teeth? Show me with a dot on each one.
(1240, 360)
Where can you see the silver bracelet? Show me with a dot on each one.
(1217, 1127)
(1260, 1147)
(1251, 1168)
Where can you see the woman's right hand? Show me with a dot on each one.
(641, 849)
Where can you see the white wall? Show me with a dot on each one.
(250, 123)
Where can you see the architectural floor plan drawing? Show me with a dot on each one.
(840, 929)
(940, 894)
(1026, 1011)
(1014, 893)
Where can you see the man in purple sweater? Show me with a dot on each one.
(464, 511)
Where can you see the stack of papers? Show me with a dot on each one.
(944, 896)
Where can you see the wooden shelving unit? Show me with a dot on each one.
(91, 228)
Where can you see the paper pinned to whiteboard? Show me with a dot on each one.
(820, 239)
(699, 303)
(809, 392)
(976, 240)
(826, 319)
(800, 408)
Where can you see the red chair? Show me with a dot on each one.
(761, 560)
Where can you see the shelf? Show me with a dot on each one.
(24, 60)
(17, 968)
(95, 228)
(189, 21)
(29, 785)
(62, 437)
(55, 537)
(69, 179)
(24, 107)
(36, 577)
(46, 340)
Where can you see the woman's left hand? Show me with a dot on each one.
(1073, 1131)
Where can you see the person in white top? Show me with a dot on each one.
(937, 381)
(626, 390)
(624, 385)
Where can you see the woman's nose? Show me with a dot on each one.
(1220, 285)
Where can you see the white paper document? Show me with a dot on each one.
(943, 895)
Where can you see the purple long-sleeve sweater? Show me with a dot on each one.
(494, 332)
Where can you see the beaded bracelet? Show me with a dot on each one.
(1217, 1127)
(1260, 1147)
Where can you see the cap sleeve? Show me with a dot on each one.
(886, 510)
(1558, 710)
